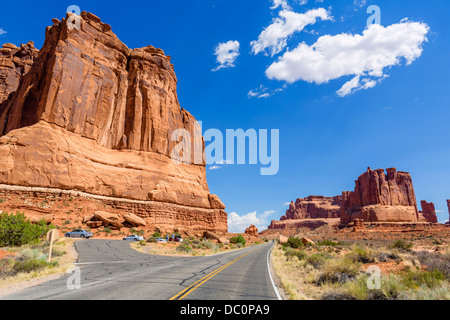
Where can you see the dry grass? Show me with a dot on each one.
(327, 272)
(64, 260)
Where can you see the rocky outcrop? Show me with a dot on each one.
(310, 212)
(15, 62)
(94, 116)
(314, 207)
(252, 230)
(380, 196)
(428, 212)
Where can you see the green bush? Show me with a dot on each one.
(317, 260)
(33, 264)
(239, 239)
(295, 243)
(290, 252)
(401, 244)
(16, 230)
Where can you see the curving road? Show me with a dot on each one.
(110, 269)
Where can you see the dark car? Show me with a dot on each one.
(78, 233)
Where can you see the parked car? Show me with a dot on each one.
(78, 233)
(161, 240)
(133, 237)
(176, 239)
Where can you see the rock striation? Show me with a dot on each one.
(15, 62)
(428, 212)
(310, 212)
(91, 115)
(314, 207)
(380, 196)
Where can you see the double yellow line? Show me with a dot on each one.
(183, 294)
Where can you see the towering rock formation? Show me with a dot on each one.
(428, 212)
(381, 197)
(94, 116)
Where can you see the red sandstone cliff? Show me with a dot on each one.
(381, 197)
(15, 62)
(91, 115)
(428, 212)
(304, 211)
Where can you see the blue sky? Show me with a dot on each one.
(336, 117)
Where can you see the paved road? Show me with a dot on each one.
(110, 269)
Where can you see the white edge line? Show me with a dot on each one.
(270, 275)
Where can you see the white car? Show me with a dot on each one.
(161, 240)
(133, 237)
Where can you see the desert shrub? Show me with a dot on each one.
(107, 230)
(329, 243)
(429, 279)
(16, 230)
(362, 255)
(33, 264)
(184, 248)
(143, 243)
(403, 245)
(435, 261)
(6, 267)
(239, 245)
(289, 253)
(239, 239)
(151, 239)
(156, 234)
(295, 243)
(318, 260)
(339, 271)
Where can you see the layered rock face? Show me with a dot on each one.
(310, 212)
(314, 207)
(428, 212)
(93, 116)
(380, 196)
(15, 62)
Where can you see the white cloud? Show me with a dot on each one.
(263, 92)
(2, 32)
(280, 3)
(238, 224)
(275, 36)
(365, 57)
(226, 54)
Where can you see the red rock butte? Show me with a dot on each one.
(380, 196)
(87, 114)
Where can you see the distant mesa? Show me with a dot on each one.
(379, 196)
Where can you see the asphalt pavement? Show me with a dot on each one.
(112, 270)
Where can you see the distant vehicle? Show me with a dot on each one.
(78, 233)
(176, 239)
(161, 240)
(133, 237)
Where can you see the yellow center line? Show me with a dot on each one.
(184, 293)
